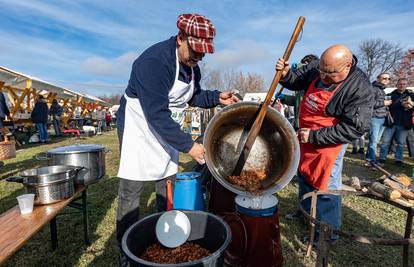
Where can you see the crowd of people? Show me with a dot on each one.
(42, 116)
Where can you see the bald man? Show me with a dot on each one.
(336, 109)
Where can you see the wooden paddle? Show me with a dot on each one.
(254, 131)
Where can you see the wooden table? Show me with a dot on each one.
(16, 229)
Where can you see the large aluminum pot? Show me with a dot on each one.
(49, 184)
(276, 149)
(90, 156)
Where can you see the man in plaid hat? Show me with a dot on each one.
(165, 79)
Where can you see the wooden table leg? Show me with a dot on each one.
(53, 233)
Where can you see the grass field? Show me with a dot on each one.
(360, 215)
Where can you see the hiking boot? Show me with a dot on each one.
(381, 162)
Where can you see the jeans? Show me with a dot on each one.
(42, 128)
(400, 137)
(328, 207)
(375, 133)
(358, 143)
(56, 126)
(410, 143)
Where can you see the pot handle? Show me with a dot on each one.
(78, 169)
(16, 179)
(42, 156)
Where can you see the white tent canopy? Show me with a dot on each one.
(19, 81)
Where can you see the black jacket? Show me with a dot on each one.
(40, 112)
(56, 110)
(380, 110)
(401, 116)
(352, 104)
(4, 110)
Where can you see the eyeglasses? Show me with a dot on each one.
(331, 72)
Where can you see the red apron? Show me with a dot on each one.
(316, 162)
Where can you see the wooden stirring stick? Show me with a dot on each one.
(254, 131)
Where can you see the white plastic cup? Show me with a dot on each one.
(26, 203)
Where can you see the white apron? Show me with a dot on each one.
(145, 156)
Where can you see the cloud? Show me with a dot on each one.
(109, 66)
(239, 53)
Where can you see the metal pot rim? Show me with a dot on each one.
(285, 179)
(76, 149)
(71, 171)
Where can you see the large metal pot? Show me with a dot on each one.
(90, 156)
(276, 149)
(49, 184)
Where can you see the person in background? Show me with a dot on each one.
(358, 145)
(4, 111)
(56, 112)
(294, 100)
(378, 117)
(336, 108)
(100, 120)
(39, 117)
(108, 119)
(401, 110)
(164, 81)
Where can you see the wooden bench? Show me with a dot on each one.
(16, 229)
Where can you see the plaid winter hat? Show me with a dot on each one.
(200, 32)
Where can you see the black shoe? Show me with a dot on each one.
(354, 151)
(381, 162)
(398, 163)
(361, 150)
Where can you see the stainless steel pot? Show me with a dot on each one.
(90, 156)
(49, 184)
(276, 149)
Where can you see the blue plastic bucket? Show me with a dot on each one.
(188, 192)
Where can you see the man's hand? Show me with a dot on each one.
(197, 153)
(387, 102)
(228, 98)
(283, 66)
(303, 135)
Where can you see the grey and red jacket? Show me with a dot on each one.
(351, 104)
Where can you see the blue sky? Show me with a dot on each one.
(89, 46)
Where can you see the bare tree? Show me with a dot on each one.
(250, 83)
(378, 55)
(229, 79)
(406, 67)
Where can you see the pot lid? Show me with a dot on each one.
(81, 148)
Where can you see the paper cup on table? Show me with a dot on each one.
(26, 203)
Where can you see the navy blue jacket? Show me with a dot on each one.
(40, 112)
(4, 110)
(152, 78)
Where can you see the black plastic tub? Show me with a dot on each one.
(207, 230)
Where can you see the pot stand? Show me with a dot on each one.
(326, 230)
